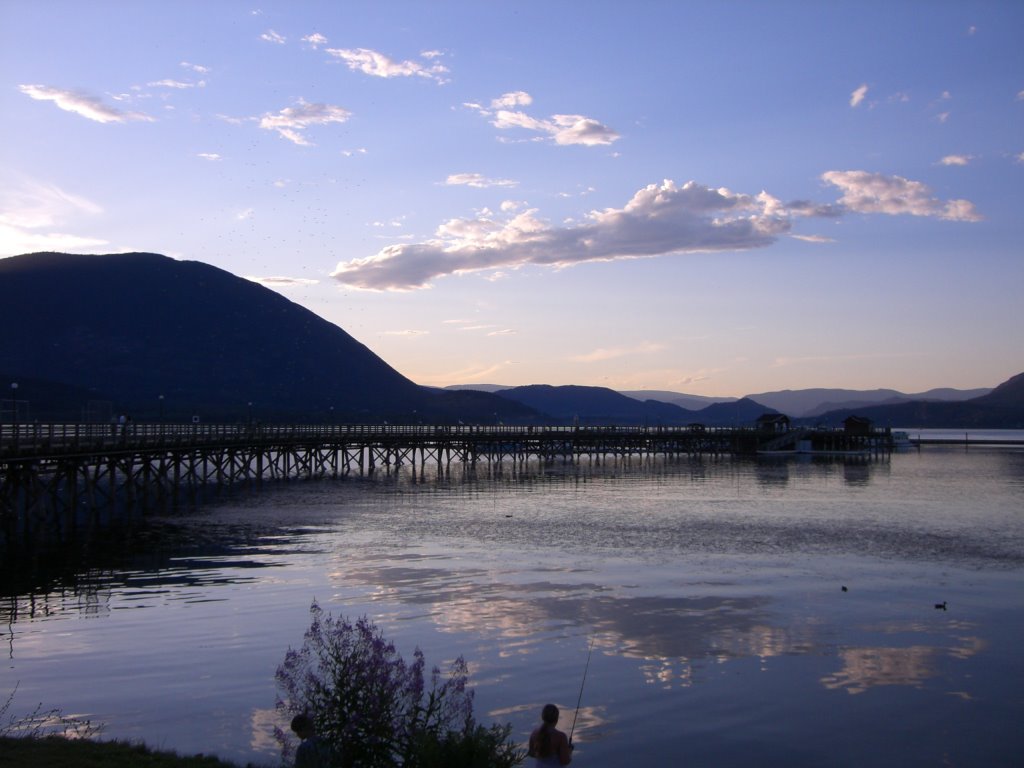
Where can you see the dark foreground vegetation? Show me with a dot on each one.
(360, 702)
(59, 752)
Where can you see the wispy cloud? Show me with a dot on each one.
(610, 353)
(858, 95)
(956, 160)
(282, 282)
(211, 156)
(35, 217)
(813, 238)
(315, 40)
(563, 129)
(195, 67)
(477, 180)
(176, 84)
(86, 106)
(865, 192)
(409, 333)
(290, 122)
(271, 36)
(377, 64)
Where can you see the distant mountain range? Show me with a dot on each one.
(798, 403)
(87, 337)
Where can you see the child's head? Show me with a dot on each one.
(303, 726)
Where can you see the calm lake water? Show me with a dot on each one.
(710, 589)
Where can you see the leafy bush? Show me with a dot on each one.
(374, 709)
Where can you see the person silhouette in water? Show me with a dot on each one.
(548, 745)
(312, 752)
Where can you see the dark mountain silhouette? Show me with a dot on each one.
(741, 413)
(1002, 408)
(600, 405)
(811, 402)
(91, 336)
(689, 402)
(1010, 393)
(128, 328)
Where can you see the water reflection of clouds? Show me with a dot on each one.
(666, 636)
(664, 633)
(872, 667)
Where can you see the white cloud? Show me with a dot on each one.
(315, 40)
(956, 159)
(82, 104)
(195, 67)
(813, 238)
(660, 219)
(34, 215)
(564, 129)
(211, 156)
(504, 332)
(272, 37)
(865, 192)
(282, 282)
(14, 241)
(409, 332)
(290, 122)
(603, 353)
(513, 99)
(1019, 157)
(177, 84)
(477, 180)
(858, 95)
(377, 64)
(1020, 95)
(577, 129)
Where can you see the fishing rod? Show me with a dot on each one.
(580, 698)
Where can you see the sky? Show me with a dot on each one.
(714, 198)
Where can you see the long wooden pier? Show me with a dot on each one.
(53, 475)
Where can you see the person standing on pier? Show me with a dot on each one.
(548, 745)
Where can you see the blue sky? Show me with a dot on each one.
(716, 198)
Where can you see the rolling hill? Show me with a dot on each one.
(126, 329)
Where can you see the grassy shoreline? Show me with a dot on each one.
(58, 752)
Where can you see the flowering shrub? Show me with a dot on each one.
(375, 710)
